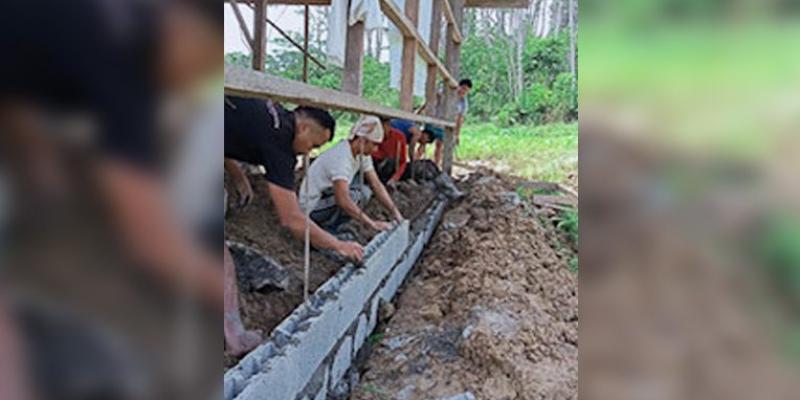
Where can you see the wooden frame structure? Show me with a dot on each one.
(244, 82)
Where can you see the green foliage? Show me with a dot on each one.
(546, 152)
(374, 339)
(779, 249)
(573, 264)
(548, 94)
(569, 225)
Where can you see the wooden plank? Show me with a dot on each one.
(409, 58)
(407, 29)
(469, 3)
(248, 83)
(353, 72)
(260, 35)
(451, 20)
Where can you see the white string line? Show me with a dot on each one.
(307, 261)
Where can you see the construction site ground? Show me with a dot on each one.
(490, 309)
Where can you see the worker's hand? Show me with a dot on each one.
(391, 185)
(244, 192)
(381, 225)
(397, 216)
(350, 250)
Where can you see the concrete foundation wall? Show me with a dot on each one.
(309, 355)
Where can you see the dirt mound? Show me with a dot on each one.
(492, 309)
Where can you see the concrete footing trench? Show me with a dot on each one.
(311, 354)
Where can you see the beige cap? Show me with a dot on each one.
(368, 126)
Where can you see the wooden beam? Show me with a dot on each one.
(430, 83)
(407, 29)
(409, 59)
(468, 4)
(451, 21)
(353, 72)
(260, 37)
(454, 64)
(248, 83)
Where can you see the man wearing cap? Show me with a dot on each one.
(335, 182)
(431, 134)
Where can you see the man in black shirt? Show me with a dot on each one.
(260, 132)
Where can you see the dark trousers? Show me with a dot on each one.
(329, 216)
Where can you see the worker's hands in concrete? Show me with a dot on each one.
(351, 250)
(381, 225)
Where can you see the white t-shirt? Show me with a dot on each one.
(337, 163)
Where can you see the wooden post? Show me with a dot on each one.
(353, 72)
(409, 59)
(453, 64)
(433, 43)
(260, 36)
(305, 44)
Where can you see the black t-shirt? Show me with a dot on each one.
(94, 57)
(253, 135)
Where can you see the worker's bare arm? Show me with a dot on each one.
(14, 380)
(139, 208)
(292, 218)
(341, 192)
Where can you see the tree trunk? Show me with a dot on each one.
(572, 44)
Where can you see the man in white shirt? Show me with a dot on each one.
(337, 180)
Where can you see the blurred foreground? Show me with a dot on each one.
(690, 258)
(110, 199)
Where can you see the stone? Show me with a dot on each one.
(257, 271)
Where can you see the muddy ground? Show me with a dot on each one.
(491, 308)
(258, 226)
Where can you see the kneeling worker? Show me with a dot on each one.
(335, 192)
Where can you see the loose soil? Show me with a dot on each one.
(492, 307)
(258, 226)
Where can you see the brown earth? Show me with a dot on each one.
(492, 308)
(258, 226)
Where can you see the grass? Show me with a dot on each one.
(569, 225)
(547, 152)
